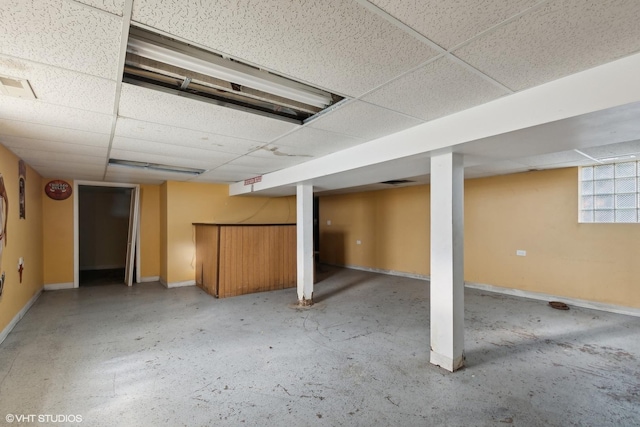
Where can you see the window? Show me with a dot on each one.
(609, 193)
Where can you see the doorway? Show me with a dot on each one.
(106, 233)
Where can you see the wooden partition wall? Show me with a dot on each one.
(241, 259)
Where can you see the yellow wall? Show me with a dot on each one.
(534, 211)
(24, 239)
(57, 228)
(164, 264)
(187, 203)
(150, 230)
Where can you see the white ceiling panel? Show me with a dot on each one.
(558, 39)
(449, 23)
(265, 161)
(435, 90)
(552, 159)
(614, 150)
(162, 160)
(495, 168)
(63, 34)
(112, 6)
(222, 175)
(124, 174)
(159, 107)
(33, 112)
(170, 150)
(308, 142)
(11, 128)
(63, 87)
(183, 137)
(47, 157)
(69, 173)
(364, 120)
(52, 146)
(68, 168)
(307, 40)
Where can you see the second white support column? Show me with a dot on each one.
(447, 261)
(304, 211)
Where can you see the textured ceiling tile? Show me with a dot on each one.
(63, 87)
(65, 173)
(435, 90)
(449, 23)
(169, 150)
(184, 137)
(334, 44)
(159, 107)
(67, 168)
(307, 143)
(31, 112)
(364, 120)
(9, 128)
(548, 160)
(45, 157)
(63, 34)
(614, 150)
(160, 159)
(52, 146)
(265, 162)
(122, 174)
(558, 39)
(222, 176)
(112, 6)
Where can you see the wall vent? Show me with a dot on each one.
(397, 182)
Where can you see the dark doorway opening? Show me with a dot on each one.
(103, 215)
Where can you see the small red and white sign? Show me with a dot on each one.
(58, 189)
(253, 180)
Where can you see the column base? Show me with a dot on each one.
(305, 302)
(446, 362)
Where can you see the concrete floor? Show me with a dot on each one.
(148, 356)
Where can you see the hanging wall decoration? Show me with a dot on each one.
(4, 214)
(22, 183)
(58, 189)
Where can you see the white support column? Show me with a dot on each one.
(447, 262)
(304, 203)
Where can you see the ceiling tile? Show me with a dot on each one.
(68, 168)
(38, 157)
(307, 143)
(63, 34)
(159, 107)
(32, 112)
(449, 23)
(63, 87)
(263, 162)
(558, 39)
(123, 174)
(183, 137)
(551, 159)
(614, 150)
(223, 175)
(334, 44)
(10, 128)
(52, 146)
(364, 120)
(435, 90)
(112, 6)
(176, 151)
(162, 160)
(70, 173)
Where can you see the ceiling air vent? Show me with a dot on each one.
(164, 64)
(398, 182)
(17, 88)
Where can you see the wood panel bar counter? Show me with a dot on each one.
(237, 259)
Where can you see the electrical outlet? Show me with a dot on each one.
(328, 222)
(358, 242)
(520, 252)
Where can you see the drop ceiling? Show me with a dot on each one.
(399, 64)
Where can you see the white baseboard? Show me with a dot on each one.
(150, 279)
(181, 284)
(629, 311)
(58, 286)
(612, 308)
(19, 316)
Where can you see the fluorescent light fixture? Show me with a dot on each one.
(155, 167)
(210, 64)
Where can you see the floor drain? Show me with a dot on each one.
(558, 305)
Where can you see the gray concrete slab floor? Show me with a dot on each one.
(150, 356)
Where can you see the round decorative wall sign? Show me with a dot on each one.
(58, 189)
